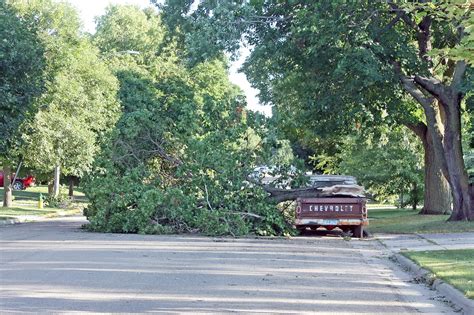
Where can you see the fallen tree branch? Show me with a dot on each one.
(249, 214)
(207, 198)
(280, 195)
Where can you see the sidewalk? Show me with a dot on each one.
(395, 243)
(420, 242)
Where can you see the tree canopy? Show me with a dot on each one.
(336, 65)
(79, 103)
(21, 75)
(387, 164)
(21, 80)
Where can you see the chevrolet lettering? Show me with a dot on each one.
(346, 213)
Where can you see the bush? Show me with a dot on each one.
(61, 201)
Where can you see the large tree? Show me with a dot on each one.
(81, 107)
(79, 103)
(334, 64)
(21, 79)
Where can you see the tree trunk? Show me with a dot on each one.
(414, 198)
(57, 174)
(447, 144)
(437, 195)
(471, 192)
(458, 178)
(7, 186)
(71, 186)
(402, 203)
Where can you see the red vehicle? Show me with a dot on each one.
(347, 213)
(20, 183)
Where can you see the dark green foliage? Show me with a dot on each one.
(79, 103)
(333, 67)
(316, 62)
(61, 201)
(180, 154)
(21, 75)
(175, 168)
(389, 165)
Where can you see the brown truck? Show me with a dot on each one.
(327, 201)
(346, 213)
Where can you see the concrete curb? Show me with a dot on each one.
(452, 294)
(37, 218)
(9, 221)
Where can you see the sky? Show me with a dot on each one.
(89, 9)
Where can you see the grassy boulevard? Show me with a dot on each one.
(455, 267)
(407, 221)
(25, 203)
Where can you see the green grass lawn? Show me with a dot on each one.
(380, 206)
(455, 267)
(25, 202)
(409, 221)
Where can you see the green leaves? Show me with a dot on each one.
(127, 30)
(182, 148)
(182, 143)
(459, 16)
(21, 75)
(78, 105)
(387, 164)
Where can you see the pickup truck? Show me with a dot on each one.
(339, 202)
(20, 183)
(346, 213)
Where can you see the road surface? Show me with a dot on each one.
(55, 267)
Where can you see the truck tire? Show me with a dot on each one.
(301, 229)
(358, 231)
(17, 185)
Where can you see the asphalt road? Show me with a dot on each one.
(55, 267)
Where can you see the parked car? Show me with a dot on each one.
(20, 183)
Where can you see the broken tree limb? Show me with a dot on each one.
(345, 190)
(249, 214)
(280, 195)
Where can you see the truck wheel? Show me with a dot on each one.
(358, 231)
(301, 229)
(17, 185)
